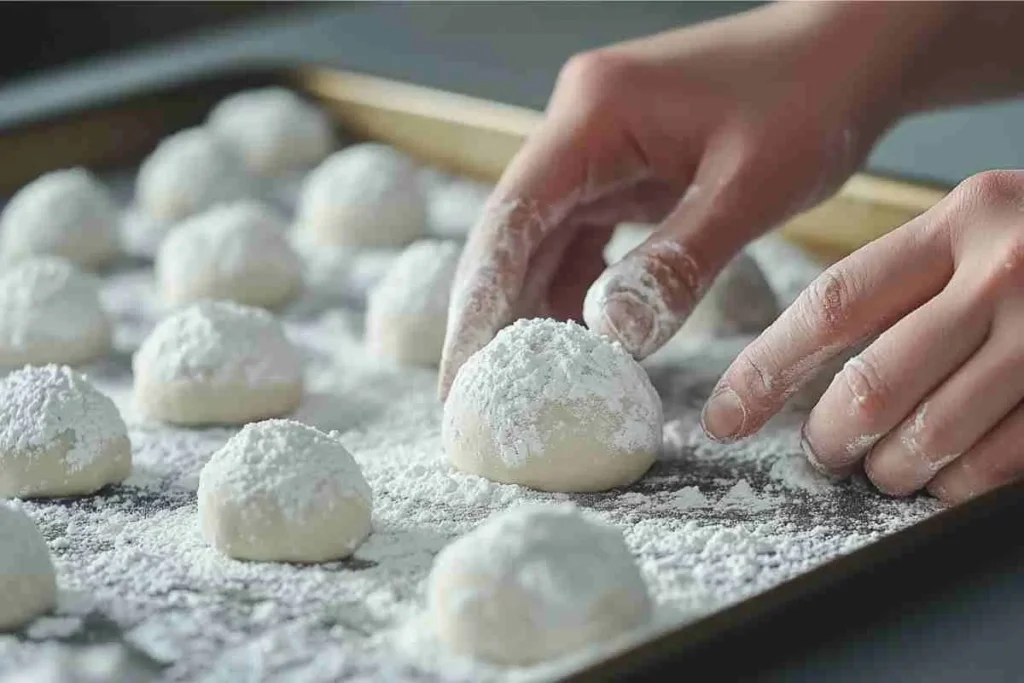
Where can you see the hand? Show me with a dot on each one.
(935, 400)
(718, 132)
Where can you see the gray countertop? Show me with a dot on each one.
(511, 52)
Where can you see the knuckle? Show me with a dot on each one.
(1006, 270)
(990, 189)
(596, 76)
(751, 376)
(679, 273)
(823, 308)
(868, 389)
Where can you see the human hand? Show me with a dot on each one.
(719, 132)
(935, 400)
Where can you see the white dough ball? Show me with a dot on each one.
(407, 311)
(189, 171)
(233, 251)
(28, 583)
(59, 436)
(740, 301)
(50, 312)
(533, 583)
(273, 129)
(456, 206)
(281, 491)
(552, 406)
(64, 213)
(367, 195)
(217, 362)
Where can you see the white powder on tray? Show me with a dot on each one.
(134, 569)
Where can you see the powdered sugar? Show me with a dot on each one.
(219, 342)
(39, 405)
(419, 281)
(292, 464)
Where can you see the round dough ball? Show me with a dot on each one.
(50, 312)
(740, 301)
(555, 407)
(217, 362)
(534, 583)
(273, 130)
(281, 491)
(59, 436)
(455, 207)
(28, 583)
(189, 171)
(64, 213)
(407, 310)
(367, 195)
(233, 251)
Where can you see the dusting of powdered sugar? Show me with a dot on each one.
(419, 281)
(536, 365)
(288, 462)
(219, 342)
(41, 404)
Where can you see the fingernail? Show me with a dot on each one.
(724, 415)
(895, 472)
(629, 322)
(812, 457)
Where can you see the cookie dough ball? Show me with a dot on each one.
(217, 362)
(65, 213)
(555, 407)
(533, 583)
(280, 491)
(367, 195)
(273, 130)
(188, 172)
(739, 302)
(407, 310)
(233, 251)
(50, 312)
(455, 207)
(59, 436)
(27, 580)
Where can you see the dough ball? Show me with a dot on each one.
(189, 171)
(280, 491)
(533, 583)
(27, 580)
(217, 362)
(64, 213)
(407, 310)
(740, 301)
(455, 207)
(50, 312)
(233, 251)
(367, 195)
(273, 130)
(552, 406)
(59, 436)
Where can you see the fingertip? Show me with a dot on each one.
(724, 416)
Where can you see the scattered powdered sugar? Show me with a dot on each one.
(795, 472)
(419, 281)
(24, 549)
(289, 462)
(219, 342)
(536, 365)
(41, 404)
(741, 495)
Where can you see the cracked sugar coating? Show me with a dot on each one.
(407, 311)
(59, 436)
(533, 583)
(283, 491)
(189, 171)
(367, 195)
(64, 213)
(50, 312)
(234, 251)
(217, 362)
(552, 406)
(27, 581)
(273, 129)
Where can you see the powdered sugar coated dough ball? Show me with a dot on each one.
(217, 362)
(280, 491)
(64, 213)
(233, 251)
(189, 171)
(740, 301)
(552, 406)
(367, 195)
(59, 436)
(273, 130)
(50, 312)
(407, 310)
(533, 583)
(27, 580)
